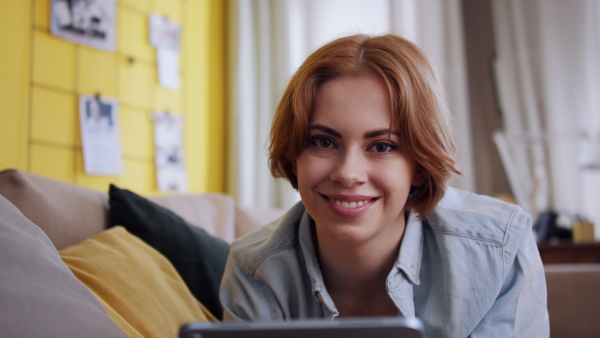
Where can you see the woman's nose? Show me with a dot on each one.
(350, 168)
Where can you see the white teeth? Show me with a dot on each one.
(345, 204)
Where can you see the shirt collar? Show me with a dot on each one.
(312, 264)
(309, 252)
(411, 250)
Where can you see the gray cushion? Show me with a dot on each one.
(39, 296)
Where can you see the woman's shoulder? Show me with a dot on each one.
(478, 217)
(254, 248)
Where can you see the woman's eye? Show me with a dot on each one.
(383, 147)
(322, 142)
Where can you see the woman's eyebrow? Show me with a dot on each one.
(380, 132)
(367, 135)
(326, 130)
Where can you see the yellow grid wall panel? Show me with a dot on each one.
(196, 158)
(132, 35)
(15, 61)
(215, 90)
(53, 62)
(41, 13)
(53, 162)
(135, 83)
(97, 72)
(54, 118)
(139, 177)
(138, 144)
(194, 90)
(168, 8)
(192, 43)
(196, 131)
(96, 182)
(167, 100)
(43, 76)
(138, 5)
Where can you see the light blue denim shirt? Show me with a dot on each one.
(471, 269)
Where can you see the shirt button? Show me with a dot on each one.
(413, 271)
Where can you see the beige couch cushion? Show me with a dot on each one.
(249, 219)
(214, 213)
(218, 214)
(573, 299)
(68, 214)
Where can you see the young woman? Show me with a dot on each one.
(363, 133)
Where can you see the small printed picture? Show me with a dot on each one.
(100, 135)
(87, 22)
(165, 36)
(98, 116)
(164, 33)
(169, 152)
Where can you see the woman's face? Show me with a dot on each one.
(354, 176)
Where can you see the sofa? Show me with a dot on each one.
(81, 262)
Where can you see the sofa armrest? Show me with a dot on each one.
(573, 299)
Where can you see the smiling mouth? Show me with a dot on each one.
(349, 206)
(353, 204)
(350, 203)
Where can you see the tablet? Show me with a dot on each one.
(371, 327)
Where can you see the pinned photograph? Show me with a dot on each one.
(100, 135)
(86, 22)
(169, 152)
(165, 37)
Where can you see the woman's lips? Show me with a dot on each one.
(350, 206)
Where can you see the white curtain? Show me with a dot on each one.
(271, 38)
(548, 77)
(261, 53)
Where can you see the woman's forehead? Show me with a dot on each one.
(347, 92)
(353, 103)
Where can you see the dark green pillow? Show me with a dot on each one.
(196, 255)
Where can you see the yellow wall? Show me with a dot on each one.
(41, 78)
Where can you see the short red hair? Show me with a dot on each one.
(419, 111)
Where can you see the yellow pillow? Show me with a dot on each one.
(139, 288)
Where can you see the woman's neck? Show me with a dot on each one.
(361, 267)
(355, 274)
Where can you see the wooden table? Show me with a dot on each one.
(553, 252)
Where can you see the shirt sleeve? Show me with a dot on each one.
(520, 310)
(244, 297)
